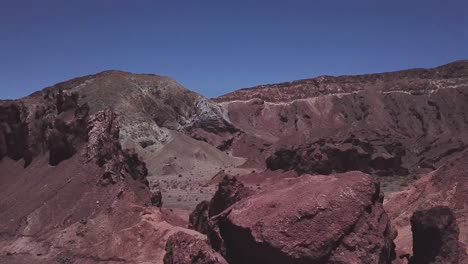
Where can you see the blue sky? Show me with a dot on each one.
(213, 47)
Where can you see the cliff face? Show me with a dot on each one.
(69, 193)
(420, 114)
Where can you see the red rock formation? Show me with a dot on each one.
(414, 80)
(230, 190)
(446, 186)
(182, 248)
(82, 197)
(326, 157)
(421, 110)
(435, 237)
(92, 206)
(30, 128)
(104, 147)
(310, 219)
(156, 198)
(13, 133)
(199, 218)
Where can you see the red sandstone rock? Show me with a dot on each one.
(446, 186)
(310, 219)
(64, 213)
(326, 157)
(230, 190)
(412, 119)
(435, 237)
(422, 110)
(182, 248)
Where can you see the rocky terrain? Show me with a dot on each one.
(309, 219)
(446, 186)
(134, 168)
(154, 113)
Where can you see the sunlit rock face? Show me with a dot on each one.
(309, 219)
(410, 121)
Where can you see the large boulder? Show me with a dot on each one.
(183, 248)
(310, 219)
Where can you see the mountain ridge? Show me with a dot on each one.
(111, 148)
(456, 69)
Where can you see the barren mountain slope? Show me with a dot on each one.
(411, 121)
(154, 112)
(70, 194)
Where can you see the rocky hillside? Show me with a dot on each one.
(310, 171)
(147, 105)
(414, 81)
(69, 193)
(402, 123)
(154, 113)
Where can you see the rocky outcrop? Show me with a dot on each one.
(230, 190)
(156, 198)
(422, 110)
(104, 147)
(326, 157)
(13, 133)
(54, 123)
(80, 209)
(446, 186)
(310, 219)
(182, 248)
(435, 237)
(199, 219)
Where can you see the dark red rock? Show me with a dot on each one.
(156, 198)
(65, 102)
(60, 148)
(13, 131)
(63, 211)
(182, 248)
(435, 237)
(199, 218)
(230, 190)
(331, 156)
(446, 186)
(54, 125)
(310, 219)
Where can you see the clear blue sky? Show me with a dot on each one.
(213, 47)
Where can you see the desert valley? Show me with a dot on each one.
(118, 167)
